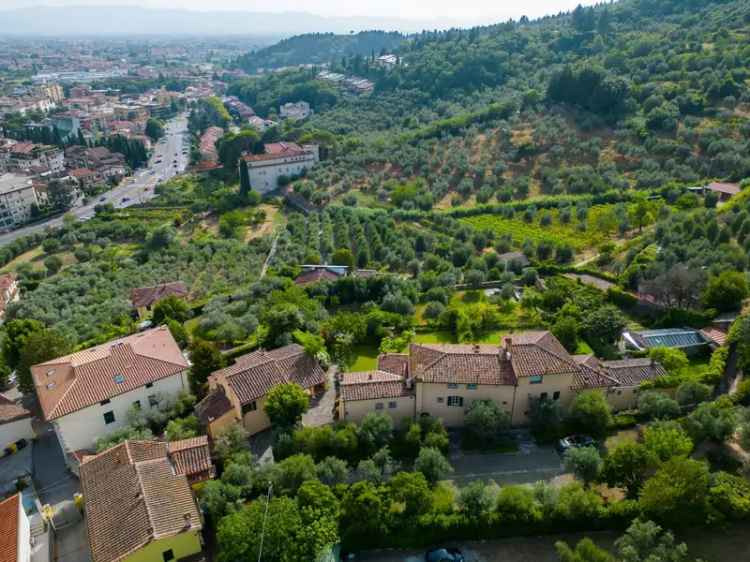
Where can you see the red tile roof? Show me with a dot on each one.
(213, 406)
(253, 375)
(133, 496)
(624, 372)
(719, 337)
(71, 383)
(463, 363)
(10, 411)
(373, 385)
(148, 296)
(192, 458)
(396, 363)
(316, 275)
(726, 188)
(9, 510)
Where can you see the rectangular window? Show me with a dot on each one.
(137, 404)
(452, 385)
(392, 405)
(249, 407)
(153, 401)
(149, 384)
(536, 379)
(543, 396)
(168, 555)
(379, 406)
(556, 395)
(109, 417)
(440, 399)
(456, 401)
(104, 402)
(471, 387)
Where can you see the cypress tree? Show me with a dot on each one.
(244, 178)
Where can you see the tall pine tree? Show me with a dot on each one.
(244, 179)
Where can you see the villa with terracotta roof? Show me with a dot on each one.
(242, 387)
(87, 394)
(144, 298)
(139, 505)
(281, 159)
(443, 380)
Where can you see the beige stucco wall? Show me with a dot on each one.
(220, 424)
(453, 416)
(257, 420)
(355, 410)
(622, 398)
(550, 384)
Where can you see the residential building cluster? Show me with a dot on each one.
(354, 84)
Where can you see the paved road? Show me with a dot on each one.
(166, 162)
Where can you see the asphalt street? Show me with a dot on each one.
(166, 162)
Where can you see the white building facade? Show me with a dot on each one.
(17, 195)
(281, 160)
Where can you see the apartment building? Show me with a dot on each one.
(17, 196)
(28, 157)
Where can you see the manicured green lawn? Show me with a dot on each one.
(367, 358)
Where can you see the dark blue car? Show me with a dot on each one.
(443, 555)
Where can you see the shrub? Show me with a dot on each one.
(590, 413)
(692, 392)
(666, 440)
(671, 359)
(432, 464)
(656, 405)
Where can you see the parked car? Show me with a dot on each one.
(443, 555)
(575, 442)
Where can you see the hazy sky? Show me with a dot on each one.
(469, 10)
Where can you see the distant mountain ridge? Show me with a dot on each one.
(99, 20)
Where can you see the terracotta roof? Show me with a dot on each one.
(539, 353)
(9, 510)
(316, 275)
(148, 296)
(632, 372)
(464, 363)
(396, 363)
(76, 381)
(277, 150)
(719, 337)
(521, 355)
(10, 411)
(253, 375)
(213, 406)
(624, 372)
(192, 458)
(133, 496)
(727, 188)
(373, 385)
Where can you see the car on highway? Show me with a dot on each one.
(124, 199)
(103, 198)
(443, 555)
(575, 442)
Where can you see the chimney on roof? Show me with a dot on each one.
(507, 345)
(369, 376)
(476, 348)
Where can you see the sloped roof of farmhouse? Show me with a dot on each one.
(623, 372)
(521, 355)
(148, 296)
(9, 509)
(396, 363)
(192, 457)
(10, 411)
(81, 379)
(373, 385)
(134, 496)
(253, 375)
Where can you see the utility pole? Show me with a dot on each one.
(265, 517)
